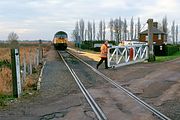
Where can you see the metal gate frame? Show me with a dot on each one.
(120, 55)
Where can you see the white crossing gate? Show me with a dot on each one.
(125, 55)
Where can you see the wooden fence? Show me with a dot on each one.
(30, 61)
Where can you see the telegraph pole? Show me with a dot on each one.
(150, 40)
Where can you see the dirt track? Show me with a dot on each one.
(59, 98)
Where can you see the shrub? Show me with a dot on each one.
(87, 45)
(5, 63)
(90, 45)
(4, 99)
(171, 49)
(165, 50)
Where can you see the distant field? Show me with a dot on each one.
(5, 63)
(5, 44)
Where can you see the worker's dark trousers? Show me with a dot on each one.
(101, 61)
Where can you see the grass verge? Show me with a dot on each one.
(167, 58)
(4, 99)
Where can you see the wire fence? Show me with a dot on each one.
(31, 60)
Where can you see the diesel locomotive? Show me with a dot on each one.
(60, 40)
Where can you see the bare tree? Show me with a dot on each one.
(164, 27)
(111, 24)
(98, 36)
(100, 30)
(128, 35)
(138, 27)
(75, 33)
(13, 39)
(116, 30)
(89, 31)
(135, 31)
(132, 28)
(86, 35)
(120, 28)
(94, 30)
(104, 31)
(173, 32)
(125, 29)
(81, 29)
(177, 34)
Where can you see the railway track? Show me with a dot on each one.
(97, 110)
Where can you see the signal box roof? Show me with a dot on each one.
(154, 30)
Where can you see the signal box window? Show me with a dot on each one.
(159, 37)
(146, 38)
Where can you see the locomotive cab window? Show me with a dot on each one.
(61, 36)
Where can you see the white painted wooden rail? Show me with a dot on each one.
(125, 55)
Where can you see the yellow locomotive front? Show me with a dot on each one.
(60, 40)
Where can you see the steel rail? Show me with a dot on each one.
(99, 113)
(147, 106)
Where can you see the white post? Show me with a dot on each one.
(126, 54)
(140, 54)
(108, 57)
(16, 72)
(30, 62)
(117, 55)
(37, 54)
(147, 54)
(24, 66)
(134, 52)
(34, 58)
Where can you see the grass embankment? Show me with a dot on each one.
(167, 58)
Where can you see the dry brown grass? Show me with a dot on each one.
(87, 54)
(30, 82)
(71, 44)
(5, 72)
(5, 80)
(27, 51)
(33, 50)
(5, 54)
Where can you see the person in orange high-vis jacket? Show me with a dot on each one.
(103, 55)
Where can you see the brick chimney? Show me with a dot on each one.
(155, 24)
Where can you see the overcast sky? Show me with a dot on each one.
(41, 19)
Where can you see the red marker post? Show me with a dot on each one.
(131, 52)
